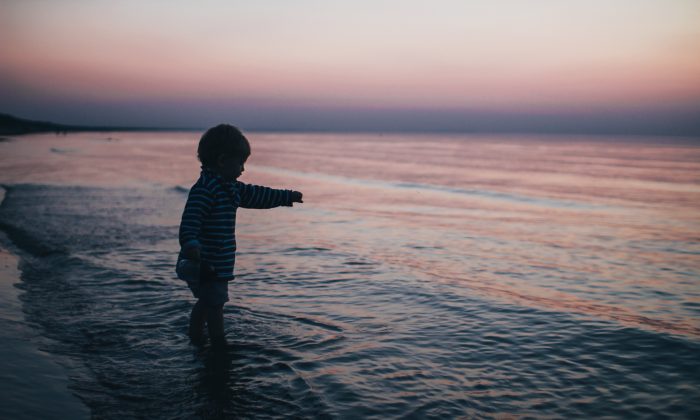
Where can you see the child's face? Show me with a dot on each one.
(230, 167)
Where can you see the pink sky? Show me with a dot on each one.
(501, 56)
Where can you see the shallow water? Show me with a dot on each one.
(424, 276)
(34, 385)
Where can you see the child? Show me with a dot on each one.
(207, 230)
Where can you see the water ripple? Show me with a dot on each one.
(321, 331)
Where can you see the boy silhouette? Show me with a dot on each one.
(208, 227)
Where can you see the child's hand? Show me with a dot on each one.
(297, 197)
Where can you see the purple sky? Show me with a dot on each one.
(617, 66)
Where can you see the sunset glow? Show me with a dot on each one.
(512, 57)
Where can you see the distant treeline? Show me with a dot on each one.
(10, 124)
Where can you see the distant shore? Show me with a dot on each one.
(11, 125)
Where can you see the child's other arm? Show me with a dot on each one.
(198, 205)
(259, 197)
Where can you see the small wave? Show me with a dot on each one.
(362, 263)
(180, 189)
(21, 237)
(62, 151)
(311, 250)
(28, 242)
(492, 195)
(322, 324)
(48, 219)
(315, 323)
(323, 342)
(569, 303)
(496, 195)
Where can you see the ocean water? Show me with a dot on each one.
(425, 276)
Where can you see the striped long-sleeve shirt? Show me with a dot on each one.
(209, 218)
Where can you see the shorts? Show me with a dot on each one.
(209, 290)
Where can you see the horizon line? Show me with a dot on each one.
(50, 126)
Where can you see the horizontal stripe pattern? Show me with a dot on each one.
(209, 218)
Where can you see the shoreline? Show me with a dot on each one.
(34, 384)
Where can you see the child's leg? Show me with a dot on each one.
(215, 324)
(197, 319)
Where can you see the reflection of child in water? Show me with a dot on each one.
(207, 230)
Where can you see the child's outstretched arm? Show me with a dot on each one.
(198, 205)
(259, 197)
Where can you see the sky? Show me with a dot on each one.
(608, 66)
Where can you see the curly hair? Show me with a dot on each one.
(224, 139)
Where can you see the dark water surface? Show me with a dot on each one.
(34, 384)
(422, 277)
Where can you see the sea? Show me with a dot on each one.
(424, 276)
